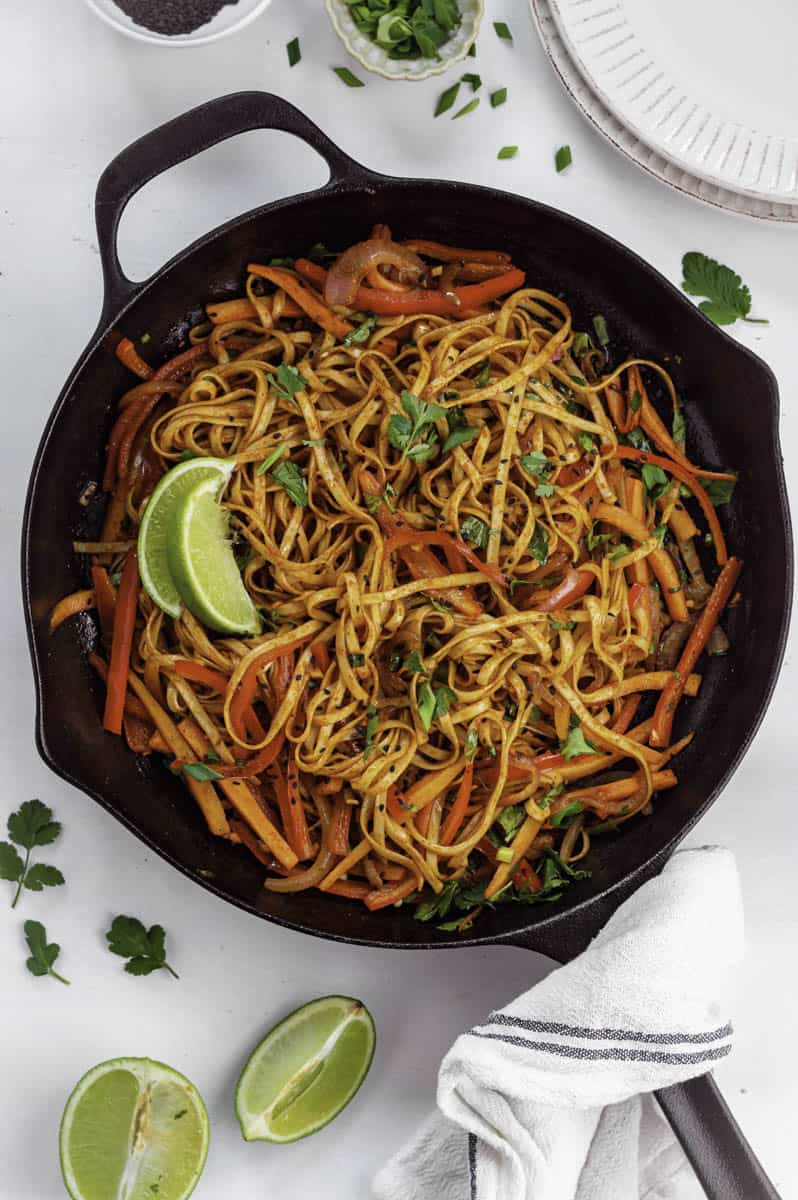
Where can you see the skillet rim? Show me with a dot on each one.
(356, 178)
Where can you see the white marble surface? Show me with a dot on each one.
(74, 93)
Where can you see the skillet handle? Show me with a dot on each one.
(181, 139)
(725, 1164)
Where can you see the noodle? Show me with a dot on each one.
(411, 712)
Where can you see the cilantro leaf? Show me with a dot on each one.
(475, 531)
(510, 821)
(356, 337)
(535, 463)
(413, 664)
(655, 481)
(586, 442)
(679, 429)
(42, 955)
(287, 382)
(539, 545)
(471, 744)
(571, 810)
(144, 948)
(544, 490)
(635, 437)
(459, 437)
(728, 298)
(404, 432)
(557, 624)
(292, 481)
(576, 743)
(720, 491)
(32, 825)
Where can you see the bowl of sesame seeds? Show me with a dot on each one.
(178, 22)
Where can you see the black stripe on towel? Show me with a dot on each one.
(616, 1053)
(618, 1035)
(472, 1164)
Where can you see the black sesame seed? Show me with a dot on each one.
(172, 17)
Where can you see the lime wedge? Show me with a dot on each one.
(156, 576)
(136, 1129)
(203, 565)
(305, 1070)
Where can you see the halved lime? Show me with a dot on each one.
(203, 565)
(154, 528)
(136, 1129)
(305, 1070)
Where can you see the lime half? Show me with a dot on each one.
(154, 529)
(133, 1129)
(202, 563)
(305, 1070)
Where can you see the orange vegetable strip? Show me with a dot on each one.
(244, 310)
(350, 889)
(662, 564)
(433, 784)
(456, 815)
(120, 427)
(203, 792)
(386, 896)
(626, 715)
(340, 824)
(525, 876)
(132, 706)
(105, 594)
(457, 253)
(575, 584)
(417, 300)
(658, 432)
(121, 644)
(710, 614)
(639, 572)
(321, 655)
(70, 606)
(174, 367)
(292, 810)
(197, 672)
(707, 507)
(129, 356)
(619, 789)
(308, 300)
(438, 537)
(647, 681)
(423, 817)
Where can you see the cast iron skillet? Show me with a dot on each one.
(732, 409)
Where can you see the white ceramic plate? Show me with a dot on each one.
(708, 84)
(230, 19)
(628, 144)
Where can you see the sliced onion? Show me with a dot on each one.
(347, 272)
(446, 283)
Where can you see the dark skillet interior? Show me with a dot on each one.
(731, 406)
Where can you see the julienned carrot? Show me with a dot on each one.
(457, 253)
(605, 796)
(681, 473)
(69, 606)
(122, 644)
(456, 814)
(244, 310)
(197, 672)
(674, 689)
(350, 889)
(386, 896)
(662, 564)
(627, 714)
(105, 595)
(340, 823)
(129, 356)
(132, 706)
(439, 537)
(292, 811)
(321, 655)
(308, 300)
(418, 300)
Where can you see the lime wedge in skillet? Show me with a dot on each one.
(134, 1128)
(305, 1070)
(156, 576)
(202, 563)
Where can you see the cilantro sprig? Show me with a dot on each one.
(728, 298)
(145, 949)
(42, 954)
(31, 826)
(414, 434)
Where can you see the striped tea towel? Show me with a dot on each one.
(549, 1099)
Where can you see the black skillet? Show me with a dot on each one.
(732, 410)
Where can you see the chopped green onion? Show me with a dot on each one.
(507, 152)
(504, 854)
(562, 158)
(447, 99)
(503, 31)
(600, 327)
(293, 51)
(467, 108)
(472, 50)
(474, 80)
(498, 97)
(348, 77)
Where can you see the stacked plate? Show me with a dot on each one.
(701, 95)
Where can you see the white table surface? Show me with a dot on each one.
(74, 93)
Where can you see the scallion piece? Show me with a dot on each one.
(293, 51)
(507, 152)
(447, 99)
(467, 108)
(562, 158)
(503, 31)
(348, 77)
(498, 97)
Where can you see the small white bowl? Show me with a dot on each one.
(375, 59)
(231, 19)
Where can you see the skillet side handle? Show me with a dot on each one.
(181, 139)
(722, 1159)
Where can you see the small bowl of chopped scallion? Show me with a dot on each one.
(406, 39)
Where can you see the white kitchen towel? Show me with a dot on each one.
(548, 1099)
